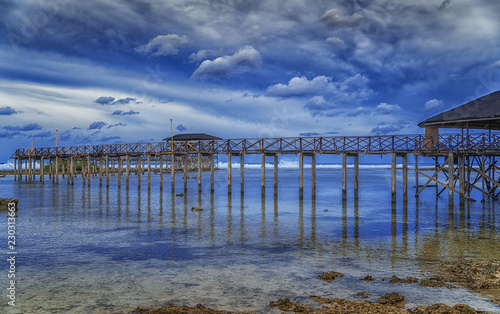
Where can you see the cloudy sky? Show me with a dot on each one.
(116, 71)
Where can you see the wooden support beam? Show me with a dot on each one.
(161, 172)
(212, 173)
(393, 173)
(57, 169)
(127, 171)
(172, 171)
(344, 173)
(138, 166)
(229, 173)
(88, 170)
(42, 170)
(186, 161)
(313, 175)
(441, 183)
(451, 174)
(356, 173)
(275, 164)
(107, 171)
(301, 171)
(242, 172)
(120, 166)
(263, 170)
(405, 175)
(199, 170)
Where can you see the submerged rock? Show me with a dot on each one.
(196, 209)
(395, 279)
(173, 309)
(330, 276)
(368, 278)
(4, 203)
(286, 305)
(393, 298)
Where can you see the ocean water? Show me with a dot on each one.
(96, 250)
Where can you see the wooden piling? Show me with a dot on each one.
(57, 170)
(416, 174)
(149, 172)
(138, 168)
(393, 173)
(107, 171)
(42, 170)
(356, 173)
(186, 165)
(313, 175)
(344, 173)
(172, 169)
(161, 172)
(127, 171)
(275, 172)
(71, 170)
(301, 171)
(242, 172)
(89, 162)
(199, 170)
(451, 174)
(120, 167)
(263, 170)
(405, 175)
(461, 175)
(229, 173)
(30, 170)
(212, 173)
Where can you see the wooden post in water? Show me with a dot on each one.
(416, 174)
(212, 173)
(107, 170)
(84, 167)
(120, 166)
(185, 172)
(138, 168)
(405, 175)
(242, 172)
(344, 173)
(301, 172)
(161, 172)
(263, 171)
(88, 170)
(356, 173)
(275, 173)
(451, 174)
(199, 171)
(71, 170)
(313, 175)
(30, 171)
(57, 169)
(461, 175)
(393, 173)
(42, 170)
(127, 171)
(20, 169)
(149, 172)
(229, 173)
(172, 165)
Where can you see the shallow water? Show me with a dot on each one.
(98, 250)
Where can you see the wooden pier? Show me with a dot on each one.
(464, 163)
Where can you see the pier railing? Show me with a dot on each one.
(473, 143)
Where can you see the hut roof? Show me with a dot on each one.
(193, 137)
(481, 113)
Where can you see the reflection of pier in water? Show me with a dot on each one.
(463, 163)
(429, 233)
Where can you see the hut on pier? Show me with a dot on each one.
(192, 137)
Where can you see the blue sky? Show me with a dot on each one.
(116, 71)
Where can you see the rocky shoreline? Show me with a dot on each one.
(478, 275)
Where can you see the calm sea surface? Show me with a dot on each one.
(98, 250)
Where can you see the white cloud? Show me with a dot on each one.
(432, 104)
(246, 58)
(164, 45)
(299, 86)
(385, 108)
(335, 18)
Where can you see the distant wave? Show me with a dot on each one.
(295, 165)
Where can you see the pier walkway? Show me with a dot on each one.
(465, 162)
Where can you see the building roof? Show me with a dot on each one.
(481, 113)
(193, 137)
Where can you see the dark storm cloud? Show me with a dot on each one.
(97, 125)
(7, 111)
(23, 128)
(125, 113)
(104, 100)
(181, 128)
